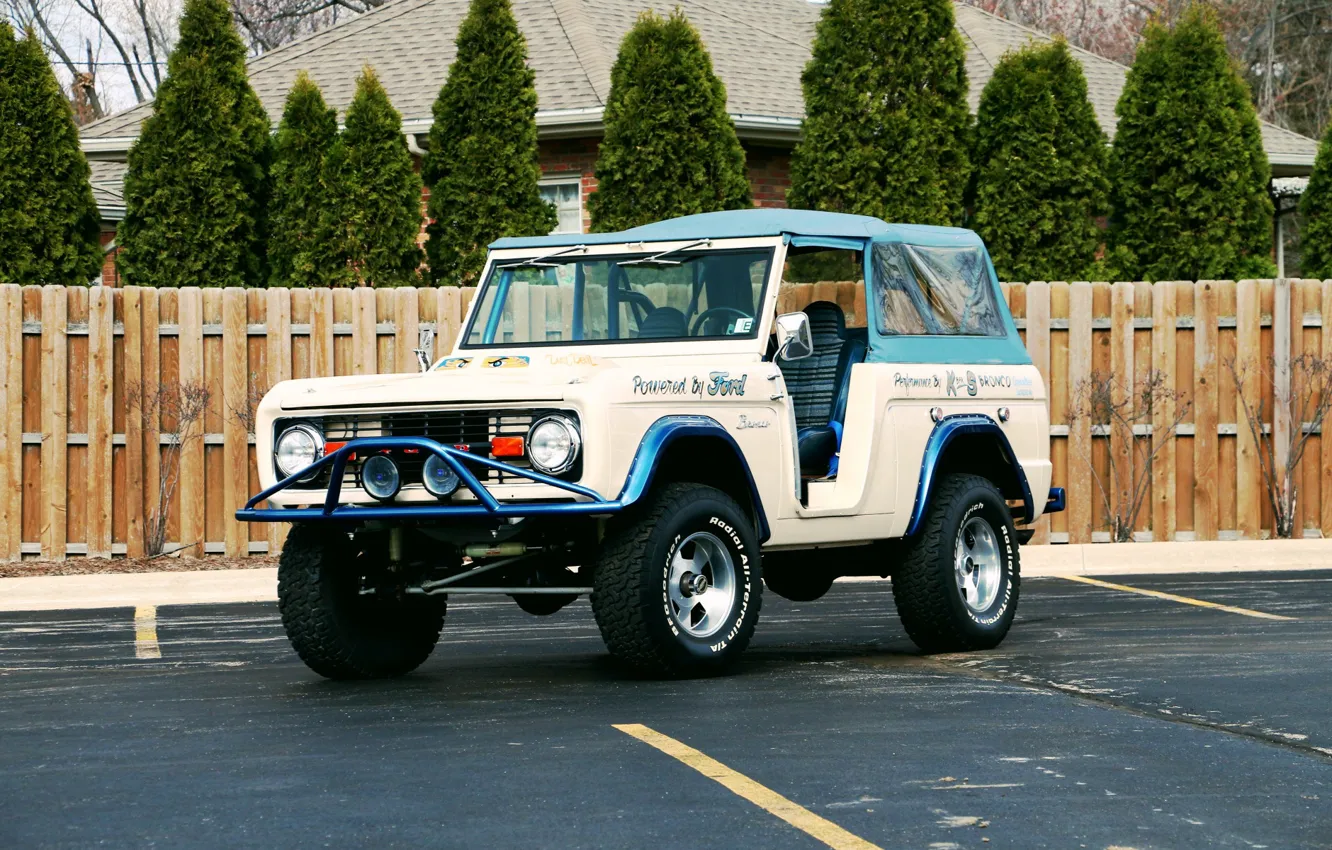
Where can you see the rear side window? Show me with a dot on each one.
(937, 291)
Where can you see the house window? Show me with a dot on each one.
(566, 193)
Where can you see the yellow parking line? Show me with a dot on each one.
(145, 632)
(1187, 600)
(765, 798)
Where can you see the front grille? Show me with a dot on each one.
(474, 428)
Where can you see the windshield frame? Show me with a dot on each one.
(765, 304)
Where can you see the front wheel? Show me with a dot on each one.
(338, 631)
(677, 588)
(957, 588)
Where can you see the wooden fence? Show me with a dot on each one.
(80, 460)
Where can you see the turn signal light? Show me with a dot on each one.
(506, 447)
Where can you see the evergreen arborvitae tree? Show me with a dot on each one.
(482, 166)
(48, 220)
(1316, 213)
(670, 147)
(1188, 170)
(299, 252)
(196, 183)
(373, 215)
(885, 113)
(1040, 167)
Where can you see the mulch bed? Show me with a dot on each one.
(164, 564)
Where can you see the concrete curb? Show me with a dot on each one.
(126, 590)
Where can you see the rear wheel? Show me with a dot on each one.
(338, 631)
(957, 587)
(677, 588)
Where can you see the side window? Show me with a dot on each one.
(824, 274)
(927, 290)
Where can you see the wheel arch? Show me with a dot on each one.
(969, 443)
(696, 449)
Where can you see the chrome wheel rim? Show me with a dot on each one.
(700, 586)
(977, 565)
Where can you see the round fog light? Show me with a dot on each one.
(438, 477)
(380, 478)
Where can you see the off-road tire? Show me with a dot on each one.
(337, 632)
(929, 604)
(629, 583)
(793, 576)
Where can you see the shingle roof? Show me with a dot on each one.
(108, 179)
(759, 47)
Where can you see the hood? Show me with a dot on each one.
(473, 380)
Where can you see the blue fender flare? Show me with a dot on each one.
(945, 431)
(659, 437)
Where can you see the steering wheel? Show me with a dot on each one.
(698, 322)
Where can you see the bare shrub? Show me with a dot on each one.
(1305, 404)
(184, 407)
(246, 412)
(1118, 410)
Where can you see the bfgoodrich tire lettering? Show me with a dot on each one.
(336, 631)
(932, 601)
(635, 595)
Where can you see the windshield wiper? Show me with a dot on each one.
(656, 259)
(536, 262)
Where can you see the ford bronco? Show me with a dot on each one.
(626, 415)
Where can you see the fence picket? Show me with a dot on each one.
(1206, 373)
(277, 356)
(11, 422)
(100, 415)
(1163, 412)
(1121, 367)
(235, 407)
(1248, 359)
(321, 333)
(407, 324)
(1080, 449)
(1038, 346)
(191, 487)
(55, 408)
(364, 348)
(1325, 446)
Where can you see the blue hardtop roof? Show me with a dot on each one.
(739, 224)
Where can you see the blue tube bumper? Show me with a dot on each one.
(486, 506)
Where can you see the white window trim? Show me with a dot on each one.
(565, 179)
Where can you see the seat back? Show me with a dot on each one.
(812, 383)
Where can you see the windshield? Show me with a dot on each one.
(682, 294)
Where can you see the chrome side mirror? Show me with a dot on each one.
(794, 341)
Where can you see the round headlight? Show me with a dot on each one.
(438, 477)
(552, 444)
(380, 478)
(298, 447)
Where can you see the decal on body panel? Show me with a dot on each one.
(510, 361)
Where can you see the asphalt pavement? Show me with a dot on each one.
(1108, 719)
